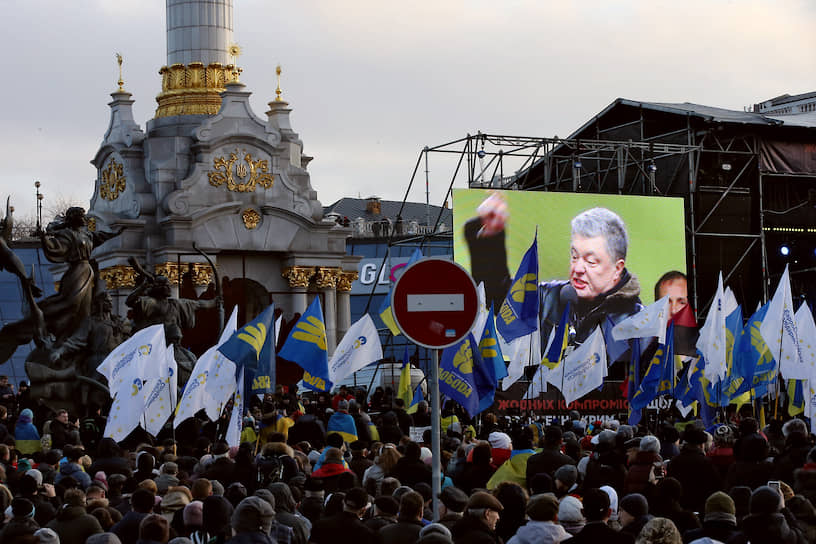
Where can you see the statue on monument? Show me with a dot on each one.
(153, 304)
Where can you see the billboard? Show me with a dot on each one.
(656, 228)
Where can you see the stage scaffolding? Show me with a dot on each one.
(716, 172)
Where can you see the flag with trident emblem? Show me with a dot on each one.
(518, 315)
(246, 345)
(306, 346)
(457, 374)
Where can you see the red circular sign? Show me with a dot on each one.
(435, 303)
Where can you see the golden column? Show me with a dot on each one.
(298, 278)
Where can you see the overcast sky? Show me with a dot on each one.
(372, 82)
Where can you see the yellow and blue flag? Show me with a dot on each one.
(796, 397)
(404, 388)
(385, 312)
(246, 344)
(263, 381)
(518, 315)
(492, 363)
(418, 397)
(456, 374)
(660, 376)
(632, 381)
(754, 365)
(306, 347)
(342, 424)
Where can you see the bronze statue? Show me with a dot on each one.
(153, 304)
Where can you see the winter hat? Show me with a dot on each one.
(720, 507)
(635, 505)
(47, 536)
(169, 468)
(650, 443)
(266, 495)
(101, 479)
(218, 487)
(481, 499)
(569, 509)
(765, 500)
(253, 514)
(193, 514)
(434, 533)
(454, 499)
(425, 456)
(499, 440)
(22, 508)
(543, 507)
(568, 474)
(613, 500)
(37, 475)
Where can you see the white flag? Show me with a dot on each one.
(126, 411)
(236, 421)
(522, 352)
(481, 317)
(195, 395)
(585, 368)
(220, 383)
(778, 329)
(650, 321)
(711, 342)
(127, 361)
(159, 402)
(538, 383)
(359, 348)
(806, 330)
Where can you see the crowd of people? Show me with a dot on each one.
(333, 470)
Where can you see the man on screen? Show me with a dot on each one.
(674, 284)
(599, 284)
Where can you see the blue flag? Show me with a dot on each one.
(693, 387)
(614, 348)
(632, 382)
(246, 346)
(518, 315)
(555, 351)
(733, 330)
(456, 374)
(306, 346)
(659, 378)
(418, 397)
(752, 358)
(263, 381)
(490, 351)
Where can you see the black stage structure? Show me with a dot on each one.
(748, 181)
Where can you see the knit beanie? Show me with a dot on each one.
(765, 500)
(435, 533)
(635, 505)
(720, 507)
(253, 514)
(568, 475)
(47, 536)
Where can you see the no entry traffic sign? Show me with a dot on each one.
(434, 303)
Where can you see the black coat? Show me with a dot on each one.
(547, 461)
(344, 528)
(717, 530)
(597, 532)
(471, 530)
(697, 475)
(402, 532)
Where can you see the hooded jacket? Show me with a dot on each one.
(539, 532)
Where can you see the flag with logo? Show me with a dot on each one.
(753, 361)
(558, 341)
(522, 352)
(245, 345)
(161, 399)
(780, 334)
(660, 375)
(236, 422)
(711, 343)
(490, 350)
(648, 322)
(733, 330)
(219, 384)
(518, 315)
(385, 312)
(262, 380)
(456, 380)
(584, 368)
(306, 346)
(633, 381)
(128, 361)
(359, 348)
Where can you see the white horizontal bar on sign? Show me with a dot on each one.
(446, 302)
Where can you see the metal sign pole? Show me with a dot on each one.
(436, 425)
